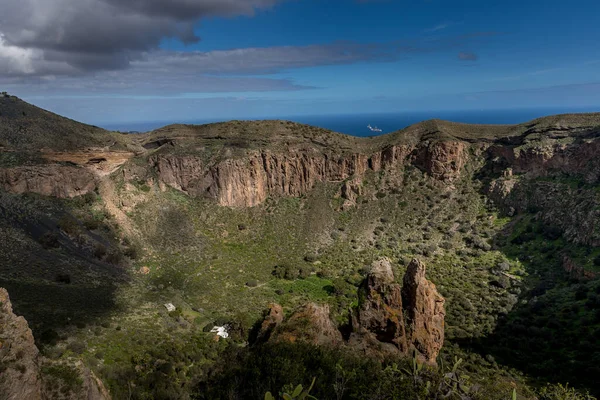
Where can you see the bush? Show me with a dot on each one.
(49, 240)
(133, 252)
(91, 224)
(551, 232)
(290, 272)
(77, 347)
(63, 278)
(114, 256)
(69, 225)
(99, 251)
(560, 392)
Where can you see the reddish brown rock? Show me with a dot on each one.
(49, 180)
(18, 354)
(273, 318)
(380, 317)
(99, 161)
(390, 320)
(21, 363)
(248, 180)
(424, 312)
(350, 191)
(442, 160)
(310, 324)
(575, 271)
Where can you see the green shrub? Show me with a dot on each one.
(99, 250)
(69, 225)
(560, 392)
(49, 240)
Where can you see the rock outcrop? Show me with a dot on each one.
(350, 191)
(379, 319)
(443, 160)
(21, 364)
(424, 311)
(399, 320)
(99, 161)
(55, 180)
(390, 320)
(577, 272)
(272, 319)
(310, 324)
(19, 357)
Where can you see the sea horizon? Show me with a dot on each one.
(357, 124)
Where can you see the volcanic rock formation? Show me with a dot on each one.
(389, 320)
(19, 357)
(20, 364)
(424, 312)
(309, 324)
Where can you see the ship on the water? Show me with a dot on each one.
(373, 128)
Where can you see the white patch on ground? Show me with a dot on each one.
(170, 307)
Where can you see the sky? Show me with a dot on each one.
(126, 61)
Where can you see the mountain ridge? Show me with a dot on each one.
(18, 117)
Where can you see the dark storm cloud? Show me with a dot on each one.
(113, 45)
(100, 34)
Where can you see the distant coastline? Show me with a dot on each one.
(356, 124)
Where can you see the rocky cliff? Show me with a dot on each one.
(19, 357)
(551, 171)
(248, 180)
(399, 320)
(379, 322)
(49, 180)
(389, 320)
(241, 164)
(424, 310)
(21, 365)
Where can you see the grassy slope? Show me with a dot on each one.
(215, 264)
(24, 127)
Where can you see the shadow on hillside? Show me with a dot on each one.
(552, 332)
(58, 273)
(49, 307)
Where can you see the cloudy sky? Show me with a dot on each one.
(121, 61)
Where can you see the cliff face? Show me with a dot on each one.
(566, 155)
(248, 181)
(424, 312)
(49, 180)
(20, 364)
(555, 177)
(19, 357)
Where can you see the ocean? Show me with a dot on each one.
(356, 124)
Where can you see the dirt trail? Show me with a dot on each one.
(106, 188)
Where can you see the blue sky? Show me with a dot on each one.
(109, 61)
